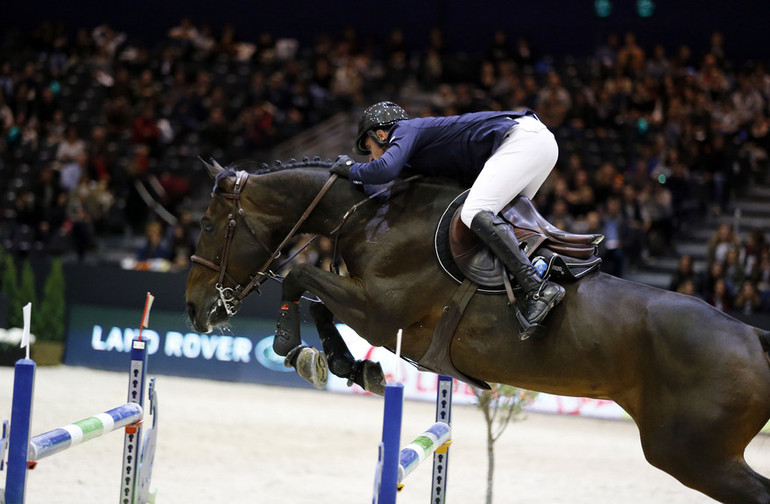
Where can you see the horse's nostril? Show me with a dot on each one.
(191, 311)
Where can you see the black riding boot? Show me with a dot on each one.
(540, 295)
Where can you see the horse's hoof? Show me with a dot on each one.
(535, 331)
(374, 378)
(313, 367)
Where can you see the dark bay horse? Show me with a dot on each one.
(695, 381)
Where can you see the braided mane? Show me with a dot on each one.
(254, 168)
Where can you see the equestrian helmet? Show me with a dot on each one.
(381, 115)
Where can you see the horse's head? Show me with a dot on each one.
(231, 252)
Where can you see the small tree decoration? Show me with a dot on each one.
(9, 285)
(48, 325)
(501, 405)
(23, 295)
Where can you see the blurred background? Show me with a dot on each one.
(660, 109)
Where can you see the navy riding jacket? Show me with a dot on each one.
(456, 146)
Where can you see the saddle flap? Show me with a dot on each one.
(471, 254)
(462, 254)
(522, 214)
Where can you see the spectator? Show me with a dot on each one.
(155, 245)
(181, 238)
(216, 131)
(684, 271)
(553, 102)
(720, 243)
(145, 129)
(72, 171)
(6, 116)
(631, 56)
(751, 250)
(615, 231)
(581, 195)
(747, 100)
(761, 278)
(733, 271)
(184, 34)
(720, 297)
(748, 300)
(71, 147)
(688, 288)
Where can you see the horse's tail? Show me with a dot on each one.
(764, 339)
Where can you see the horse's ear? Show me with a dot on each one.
(213, 170)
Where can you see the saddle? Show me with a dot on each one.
(465, 258)
(462, 255)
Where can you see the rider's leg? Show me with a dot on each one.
(540, 295)
(519, 166)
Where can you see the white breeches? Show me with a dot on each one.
(519, 166)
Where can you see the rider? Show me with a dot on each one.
(503, 154)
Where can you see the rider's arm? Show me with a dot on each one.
(390, 164)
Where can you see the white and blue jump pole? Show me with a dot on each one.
(394, 463)
(24, 451)
(57, 440)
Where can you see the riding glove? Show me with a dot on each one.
(342, 166)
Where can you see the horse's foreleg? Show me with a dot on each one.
(364, 373)
(309, 362)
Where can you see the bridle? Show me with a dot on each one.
(232, 297)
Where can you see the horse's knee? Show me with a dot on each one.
(321, 314)
(293, 285)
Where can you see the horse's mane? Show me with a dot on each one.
(255, 168)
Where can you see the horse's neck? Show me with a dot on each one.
(292, 193)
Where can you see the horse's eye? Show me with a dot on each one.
(207, 227)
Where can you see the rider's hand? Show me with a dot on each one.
(342, 166)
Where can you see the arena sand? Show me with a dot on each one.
(239, 443)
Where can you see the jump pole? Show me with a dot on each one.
(24, 452)
(57, 440)
(18, 441)
(441, 455)
(394, 463)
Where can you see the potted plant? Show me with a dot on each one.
(48, 323)
(9, 346)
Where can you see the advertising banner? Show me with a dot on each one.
(100, 337)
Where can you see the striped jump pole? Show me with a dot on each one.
(57, 440)
(410, 456)
(138, 452)
(131, 471)
(441, 456)
(395, 464)
(132, 440)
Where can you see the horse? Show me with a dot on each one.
(695, 380)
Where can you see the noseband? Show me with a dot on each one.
(232, 297)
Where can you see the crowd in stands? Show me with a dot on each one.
(736, 275)
(94, 126)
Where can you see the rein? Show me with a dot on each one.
(232, 297)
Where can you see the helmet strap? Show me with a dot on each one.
(373, 134)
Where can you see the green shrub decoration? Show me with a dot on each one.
(9, 284)
(48, 323)
(23, 295)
